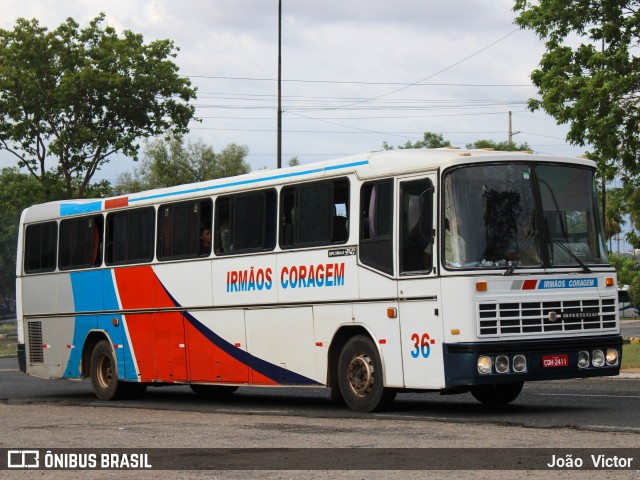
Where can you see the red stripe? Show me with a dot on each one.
(116, 202)
(530, 284)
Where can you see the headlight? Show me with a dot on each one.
(502, 364)
(612, 357)
(484, 365)
(597, 358)
(583, 359)
(519, 363)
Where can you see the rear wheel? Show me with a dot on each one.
(360, 376)
(104, 375)
(497, 394)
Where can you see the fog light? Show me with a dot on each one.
(502, 364)
(583, 359)
(484, 365)
(519, 363)
(612, 357)
(597, 358)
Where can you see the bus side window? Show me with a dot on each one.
(315, 214)
(181, 228)
(376, 225)
(80, 243)
(40, 247)
(416, 238)
(246, 222)
(130, 236)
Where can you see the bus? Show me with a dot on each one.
(439, 270)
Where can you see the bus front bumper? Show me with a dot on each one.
(482, 363)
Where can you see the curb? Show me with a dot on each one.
(633, 340)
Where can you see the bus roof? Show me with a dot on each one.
(365, 166)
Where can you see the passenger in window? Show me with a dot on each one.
(454, 244)
(205, 242)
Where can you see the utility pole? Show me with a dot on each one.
(511, 132)
(279, 134)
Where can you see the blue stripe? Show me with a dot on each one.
(67, 209)
(251, 181)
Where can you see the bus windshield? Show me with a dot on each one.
(521, 215)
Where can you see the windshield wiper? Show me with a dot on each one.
(516, 261)
(572, 255)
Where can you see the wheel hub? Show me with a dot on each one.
(361, 374)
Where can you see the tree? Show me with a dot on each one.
(589, 76)
(71, 98)
(168, 162)
(18, 191)
(294, 161)
(499, 146)
(429, 140)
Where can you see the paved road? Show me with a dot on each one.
(630, 328)
(590, 404)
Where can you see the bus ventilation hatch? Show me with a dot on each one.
(36, 354)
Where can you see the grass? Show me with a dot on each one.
(8, 340)
(631, 355)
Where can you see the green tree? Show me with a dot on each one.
(294, 161)
(71, 98)
(18, 191)
(169, 161)
(628, 273)
(615, 210)
(429, 140)
(499, 146)
(589, 76)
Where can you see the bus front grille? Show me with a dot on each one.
(522, 318)
(36, 352)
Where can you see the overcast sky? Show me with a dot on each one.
(355, 73)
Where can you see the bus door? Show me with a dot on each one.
(418, 285)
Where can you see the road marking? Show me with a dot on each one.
(9, 370)
(583, 395)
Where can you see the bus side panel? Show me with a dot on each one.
(213, 338)
(386, 334)
(284, 338)
(94, 291)
(327, 319)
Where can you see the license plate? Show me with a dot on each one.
(551, 361)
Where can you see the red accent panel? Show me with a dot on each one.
(209, 363)
(530, 284)
(116, 203)
(155, 337)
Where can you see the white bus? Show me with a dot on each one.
(436, 270)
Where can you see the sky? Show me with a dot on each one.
(355, 73)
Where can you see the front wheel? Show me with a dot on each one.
(360, 376)
(497, 394)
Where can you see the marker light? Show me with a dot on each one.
(481, 286)
(519, 363)
(583, 359)
(612, 357)
(598, 358)
(608, 281)
(484, 365)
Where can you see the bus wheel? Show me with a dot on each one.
(212, 391)
(360, 376)
(497, 394)
(104, 373)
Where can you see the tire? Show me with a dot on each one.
(212, 391)
(360, 376)
(104, 375)
(497, 394)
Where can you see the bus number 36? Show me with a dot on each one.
(421, 345)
